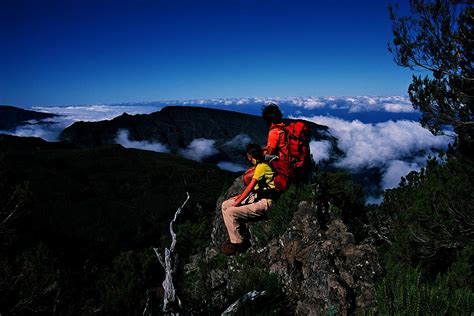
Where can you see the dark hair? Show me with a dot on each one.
(271, 113)
(255, 151)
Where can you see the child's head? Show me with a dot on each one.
(254, 151)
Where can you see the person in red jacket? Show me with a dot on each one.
(277, 144)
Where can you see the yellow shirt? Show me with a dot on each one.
(264, 176)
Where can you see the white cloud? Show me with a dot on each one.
(374, 199)
(123, 138)
(239, 141)
(49, 129)
(395, 171)
(199, 149)
(393, 104)
(354, 104)
(230, 166)
(96, 112)
(374, 145)
(47, 132)
(320, 150)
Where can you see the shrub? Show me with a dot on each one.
(124, 286)
(433, 214)
(252, 276)
(429, 260)
(281, 213)
(405, 291)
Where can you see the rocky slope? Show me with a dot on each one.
(312, 268)
(11, 117)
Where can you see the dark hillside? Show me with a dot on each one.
(69, 216)
(177, 127)
(11, 117)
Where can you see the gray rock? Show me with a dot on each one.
(321, 271)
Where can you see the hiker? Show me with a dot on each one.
(291, 144)
(278, 145)
(251, 204)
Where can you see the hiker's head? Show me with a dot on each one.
(271, 113)
(254, 152)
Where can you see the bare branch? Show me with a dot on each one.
(169, 296)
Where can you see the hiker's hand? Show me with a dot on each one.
(237, 200)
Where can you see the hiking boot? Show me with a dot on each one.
(230, 249)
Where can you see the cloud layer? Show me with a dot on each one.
(96, 112)
(397, 169)
(239, 142)
(123, 138)
(372, 132)
(230, 166)
(320, 150)
(199, 149)
(49, 129)
(353, 104)
(395, 148)
(374, 145)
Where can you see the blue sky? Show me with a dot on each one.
(83, 52)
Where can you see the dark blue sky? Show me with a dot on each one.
(81, 51)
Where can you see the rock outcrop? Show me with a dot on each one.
(319, 271)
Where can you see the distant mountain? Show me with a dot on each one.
(11, 117)
(177, 126)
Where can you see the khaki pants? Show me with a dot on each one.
(235, 216)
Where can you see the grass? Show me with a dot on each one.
(281, 214)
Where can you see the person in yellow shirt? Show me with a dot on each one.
(251, 204)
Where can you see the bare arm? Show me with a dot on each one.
(246, 192)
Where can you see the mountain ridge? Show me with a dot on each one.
(12, 117)
(177, 126)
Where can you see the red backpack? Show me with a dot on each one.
(299, 136)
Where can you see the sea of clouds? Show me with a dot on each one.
(394, 147)
(49, 129)
(391, 140)
(354, 104)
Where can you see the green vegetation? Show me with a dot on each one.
(437, 38)
(34, 271)
(405, 291)
(430, 254)
(429, 262)
(253, 276)
(338, 195)
(434, 214)
(97, 213)
(131, 278)
(281, 213)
